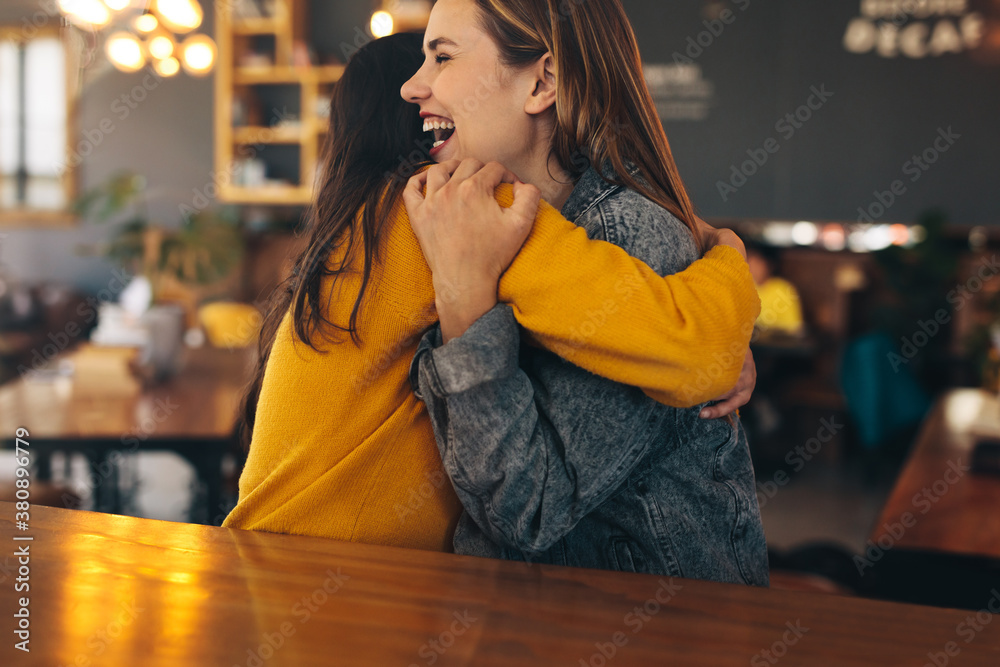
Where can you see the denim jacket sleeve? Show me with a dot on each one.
(525, 480)
(525, 475)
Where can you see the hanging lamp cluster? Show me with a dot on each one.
(159, 32)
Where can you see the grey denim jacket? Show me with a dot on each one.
(554, 464)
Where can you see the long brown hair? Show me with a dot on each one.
(374, 144)
(604, 112)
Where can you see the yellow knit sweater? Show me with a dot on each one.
(341, 446)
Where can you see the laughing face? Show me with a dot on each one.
(472, 103)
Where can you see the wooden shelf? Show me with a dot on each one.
(236, 37)
(329, 73)
(273, 75)
(269, 194)
(292, 75)
(257, 26)
(268, 135)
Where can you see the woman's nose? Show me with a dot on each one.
(415, 89)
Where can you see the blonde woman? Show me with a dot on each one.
(553, 463)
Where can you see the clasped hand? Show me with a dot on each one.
(467, 238)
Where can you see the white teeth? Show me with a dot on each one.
(437, 143)
(438, 125)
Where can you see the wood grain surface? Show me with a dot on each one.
(114, 590)
(200, 401)
(937, 503)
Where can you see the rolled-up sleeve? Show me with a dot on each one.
(487, 351)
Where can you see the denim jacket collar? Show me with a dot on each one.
(592, 188)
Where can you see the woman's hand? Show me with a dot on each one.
(736, 397)
(712, 237)
(739, 395)
(467, 238)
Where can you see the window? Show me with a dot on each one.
(35, 105)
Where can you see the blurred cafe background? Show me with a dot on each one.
(156, 159)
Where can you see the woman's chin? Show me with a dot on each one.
(444, 155)
(449, 150)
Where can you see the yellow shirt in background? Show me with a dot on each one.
(780, 308)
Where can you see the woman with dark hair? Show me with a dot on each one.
(553, 463)
(339, 446)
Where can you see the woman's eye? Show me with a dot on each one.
(440, 58)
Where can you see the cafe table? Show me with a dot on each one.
(115, 590)
(937, 539)
(938, 503)
(103, 413)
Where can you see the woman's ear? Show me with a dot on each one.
(543, 94)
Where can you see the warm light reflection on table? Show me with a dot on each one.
(952, 509)
(111, 590)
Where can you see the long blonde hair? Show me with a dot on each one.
(604, 112)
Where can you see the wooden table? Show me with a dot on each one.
(192, 414)
(113, 590)
(937, 505)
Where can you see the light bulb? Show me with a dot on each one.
(146, 23)
(85, 13)
(805, 233)
(125, 52)
(161, 47)
(382, 24)
(198, 54)
(167, 67)
(179, 15)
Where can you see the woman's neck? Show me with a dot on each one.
(554, 182)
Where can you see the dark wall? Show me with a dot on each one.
(337, 28)
(766, 62)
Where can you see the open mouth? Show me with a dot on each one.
(442, 131)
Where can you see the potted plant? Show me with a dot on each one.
(175, 268)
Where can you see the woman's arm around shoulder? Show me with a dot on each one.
(681, 338)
